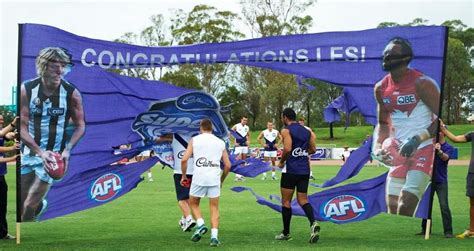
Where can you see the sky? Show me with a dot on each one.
(109, 19)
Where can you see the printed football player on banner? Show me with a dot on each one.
(50, 108)
(407, 106)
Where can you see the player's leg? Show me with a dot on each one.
(214, 193)
(273, 159)
(442, 192)
(287, 188)
(392, 190)
(195, 194)
(302, 198)
(27, 180)
(265, 159)
(33, 200)
(415, 185)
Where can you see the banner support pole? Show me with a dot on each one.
(440, 110)
(427, 230)
(18, 137)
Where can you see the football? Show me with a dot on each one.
(391, 146)
(57, 167)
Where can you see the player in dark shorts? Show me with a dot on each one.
(468, 137)
(298, 143)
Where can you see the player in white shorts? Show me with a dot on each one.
(242, 142)
(207, 151)
(270, 146)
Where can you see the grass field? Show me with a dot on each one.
(354, 136)
(147, 217)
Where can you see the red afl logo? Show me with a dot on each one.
(343, 208)
(106, 187)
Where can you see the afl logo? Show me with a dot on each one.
(106, 187)
(181, 154)
(343, 208)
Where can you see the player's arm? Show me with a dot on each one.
(428, 92)
(5, 149)
(287, 142)
(451, 136)
(10, 127)
(248, 138)
(184, 161)
(260, 139)
(164, 138)
(444, 156)
(383, 129)
(77, 116)
(312, 143)
(279, 138)
(225, 159)
(8, 159)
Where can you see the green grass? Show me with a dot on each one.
(147, 217)
(354, 136)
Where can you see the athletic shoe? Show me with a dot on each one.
(150, 179)
(181, 222)
(200, 231)
(314, 236)
(215, 242)
(264, 178)
(274, 178)
(41, 209)
(188, 225)
(312, 177)
(8, 237)
(465, 235)
(283, 237)
(448, 236)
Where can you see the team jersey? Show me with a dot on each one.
(243, 131)
(270, 139)
(179, 145)
(297, 162)
(49, 116)
(207, 152)
(409, 114)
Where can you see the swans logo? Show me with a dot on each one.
(343, 208)
(106, 187)
(181, 154)
(298, 152)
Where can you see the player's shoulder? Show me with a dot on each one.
(32, 83)
(68, 85)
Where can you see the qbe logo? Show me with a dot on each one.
(343, 208)
(106, 187)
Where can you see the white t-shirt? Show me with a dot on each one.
(207, 152)
(178, 153)
(243, 130)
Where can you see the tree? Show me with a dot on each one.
(232, 98)
(205, 24)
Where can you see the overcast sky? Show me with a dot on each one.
(107, 19)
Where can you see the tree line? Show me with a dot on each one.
(257, 93)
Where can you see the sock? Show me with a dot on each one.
(149, 175)
(308, 210)
(214, 232)
(189, 217)
(265, 175)
(471, 213)
(200, 222)
(310, 173)
(273, 174)
(286, 214)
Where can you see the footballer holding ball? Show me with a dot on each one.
(49, 105)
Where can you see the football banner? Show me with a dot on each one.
(76, 110)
